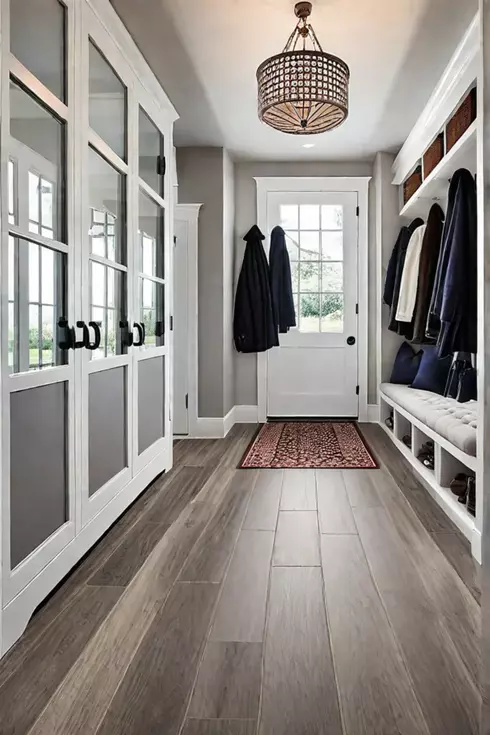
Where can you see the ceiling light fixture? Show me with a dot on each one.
(303, 91)
(308, 145)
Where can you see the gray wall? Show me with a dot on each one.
(245, 217)
(200, 174)
(228, 290)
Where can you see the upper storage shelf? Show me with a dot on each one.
(435, 186)
(459, 77)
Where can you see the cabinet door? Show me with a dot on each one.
(151, 288)
(38, 296)
(106, 270)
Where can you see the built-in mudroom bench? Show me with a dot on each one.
(439, 432)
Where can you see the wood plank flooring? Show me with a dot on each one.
(272, 602)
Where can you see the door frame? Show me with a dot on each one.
(356, 184)
(189, 213)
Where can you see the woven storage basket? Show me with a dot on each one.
(461, 120)
(411, 185)
(433, 155)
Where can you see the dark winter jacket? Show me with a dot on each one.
(281, 286)
(429, 256)
(454, 301)
(401, 247)
(254, 329)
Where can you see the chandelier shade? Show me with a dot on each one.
(303, 91)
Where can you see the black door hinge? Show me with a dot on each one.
(357, 211)
(357, 308)
(161, 165)
(187, 400)
(171, 323)
(357, 390)
(175, 239)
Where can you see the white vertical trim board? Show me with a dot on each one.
(360, 185)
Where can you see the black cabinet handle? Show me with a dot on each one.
(92, 346)
(85, 338)
(141, 334)
(127, 338)
(66, 335)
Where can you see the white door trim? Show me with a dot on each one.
(189, 213)
(359, 184)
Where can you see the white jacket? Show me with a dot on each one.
(410, 277)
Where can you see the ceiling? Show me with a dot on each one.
(396, 52)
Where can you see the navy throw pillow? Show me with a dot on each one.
(432, 373)
(406, 365)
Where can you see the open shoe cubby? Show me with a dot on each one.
(448, 462)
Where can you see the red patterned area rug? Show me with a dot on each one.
(309, 444)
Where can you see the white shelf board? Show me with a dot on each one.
(436, 185)
(442, 495)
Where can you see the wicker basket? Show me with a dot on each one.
(411, 185)
(461, 120)
(433, 155)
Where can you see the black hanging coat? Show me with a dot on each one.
(454, 300)
(281, 285)
(254, 329)
(401, 247)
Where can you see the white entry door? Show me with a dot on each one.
(314, 372)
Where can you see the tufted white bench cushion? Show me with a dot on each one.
(455, 421)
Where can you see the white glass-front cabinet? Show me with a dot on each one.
(86, 278)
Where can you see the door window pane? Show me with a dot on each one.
(151, 234)
(151, 153)
(12, 187)
(332, 245)
(152, 296)
(107, 211)
(332, 312)
(310, 245)
(37, 301)
(39, 144)
(309, 276)
(332, 217)
(38, 40)
(289, 216)
(107, 102)
(309, 217)
(292, 244)
(108, 300)
(332, 277)
(309, 318)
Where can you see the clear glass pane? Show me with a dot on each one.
(151, 229)
(33, 272)
(332, 217)
(12, 207)
(37, 300)
(289, 217)
(292, 244)
(98, 315)
(111, 287)
(332, 277)
(38, 40)
(48, 274)
(333, 245)
(33, 197)
(47, 203)
(309, 277)
(111, 333)
(309, 217)
(98, 284)
(40, 140)
(34, 336)
(107, 211)
(332, 315)
(107, 102)
(150, 152)
(48, 333)
(310, 245)
(309, 320)
(153, 312)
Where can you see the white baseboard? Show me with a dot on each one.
(209, 428)
(373, 413)
(246, 414)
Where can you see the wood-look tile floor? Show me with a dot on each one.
(241, 602)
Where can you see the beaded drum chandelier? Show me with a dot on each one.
(303, 91)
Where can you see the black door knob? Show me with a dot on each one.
(351, 340)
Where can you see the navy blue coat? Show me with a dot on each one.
(281, 286)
